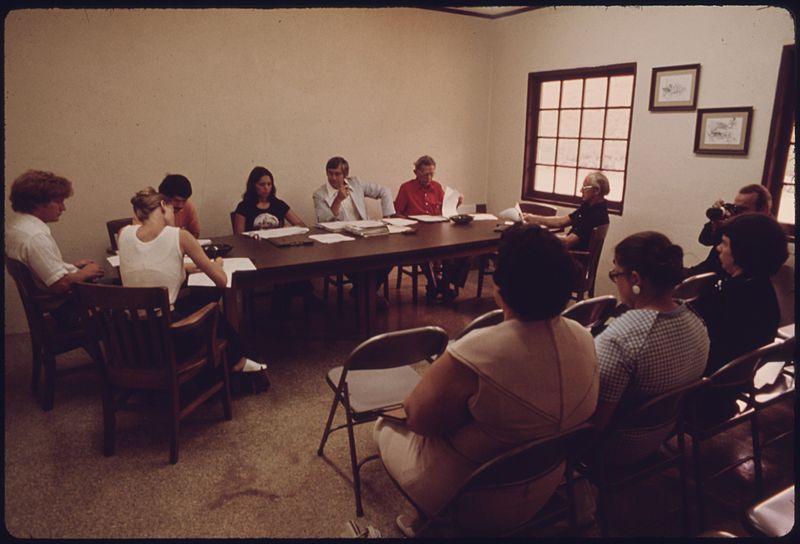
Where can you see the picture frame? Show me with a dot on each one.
(723, 131)
(674, 88)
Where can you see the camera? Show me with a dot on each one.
(716, 214)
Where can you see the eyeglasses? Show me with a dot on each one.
(587, 187)
(613, 275)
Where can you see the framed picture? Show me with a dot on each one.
(674, 88)
(723, 131)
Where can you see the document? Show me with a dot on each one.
(204, 241)
(395, 229)
(265, 234)
(450, 202)
(483, 217)
(331, 238)
(338, 226)
(231, 265)
(512, 214)
(430, 218)
(113, 260)
(399, 221)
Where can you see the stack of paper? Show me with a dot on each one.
(338, 226)
(430, 218)
(367, 231)
(265, 234)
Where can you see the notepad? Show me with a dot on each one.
(265, 234)
(231, 265)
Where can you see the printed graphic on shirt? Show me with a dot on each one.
(266, 221)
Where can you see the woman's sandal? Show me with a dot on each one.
(247, 372)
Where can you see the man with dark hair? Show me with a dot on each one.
(38, 198)
(178, 189)
(751, 198)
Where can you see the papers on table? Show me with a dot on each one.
(399, 221)
(331, 238)
(338, 226)
(396, 229)
(483, 217)
(231, 265)
(265, 234)
(113, 260)
(204, 241)
(512, 214)
(450, 202)
(430, 218)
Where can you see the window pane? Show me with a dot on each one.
(617, 123)
(565, 181)
(616, 181)
(590, 154)
(592, 123)
(786, 210)
(549, 96)
(567, 152)
(620, 91)
(548, 123)
(570, 123)
(546, 151)
(572, 95)
(544, 178)
(595, 96)
(614, 155)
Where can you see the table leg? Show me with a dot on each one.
(367, 284)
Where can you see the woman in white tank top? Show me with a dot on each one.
(151, 255)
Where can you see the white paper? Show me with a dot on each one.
(399, 221)
(265, 234)
(231, 265)
(338, 226)
(113, 260)
(450, 203)
(395, 229)
(430, 218)
(512, 214)
(331, 238)
(483, 217)
(204, 241)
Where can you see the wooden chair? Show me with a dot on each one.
(690, 288)
(142, 351)
(538, 208)
(663, 413)
(47, 339)
(474, 510)
(734, 387)
(592, 312)
(376, 375)
(113, 227)
(588, 261)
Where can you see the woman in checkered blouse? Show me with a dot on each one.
(657, 345)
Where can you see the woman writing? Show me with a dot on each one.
(151, 254)
(531, 376)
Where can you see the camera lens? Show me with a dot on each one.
(715, 214)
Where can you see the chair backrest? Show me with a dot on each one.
(590, 259)
(592, 311)
(113, 227)
(660, 411)
(537, 208)
(133, 326)
(739, 373)
(34, 300)
(689, 289)
(398, 348)
(492, 317)
(233, 222)
(472, 208)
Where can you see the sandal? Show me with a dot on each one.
(406, 526)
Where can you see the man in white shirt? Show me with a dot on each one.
(38, 198)
(342, 198)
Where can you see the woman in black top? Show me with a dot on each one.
(260, 208)
(741, 311)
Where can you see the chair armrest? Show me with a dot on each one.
(194, 320)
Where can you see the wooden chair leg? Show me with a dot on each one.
(36, 360)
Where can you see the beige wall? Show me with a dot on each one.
(114, 99)
(669, 187)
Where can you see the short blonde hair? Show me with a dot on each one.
(145, 201)
(599, 180)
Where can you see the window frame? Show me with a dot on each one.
(780, 132)
(535, 80)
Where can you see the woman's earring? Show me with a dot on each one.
(636, 289)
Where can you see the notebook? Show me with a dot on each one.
(289, 241)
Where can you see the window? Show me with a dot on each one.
(578, 121)
(779, 166)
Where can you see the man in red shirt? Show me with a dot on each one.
(424, 196)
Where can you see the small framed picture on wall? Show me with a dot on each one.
(674, 88)
(723, 131)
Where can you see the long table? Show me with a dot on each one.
(362, 257)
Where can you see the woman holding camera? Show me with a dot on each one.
(741, 311)
(151, 254)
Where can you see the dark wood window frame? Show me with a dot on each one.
(783, 114)
(535, 79)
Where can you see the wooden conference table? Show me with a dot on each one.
(362, 258)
